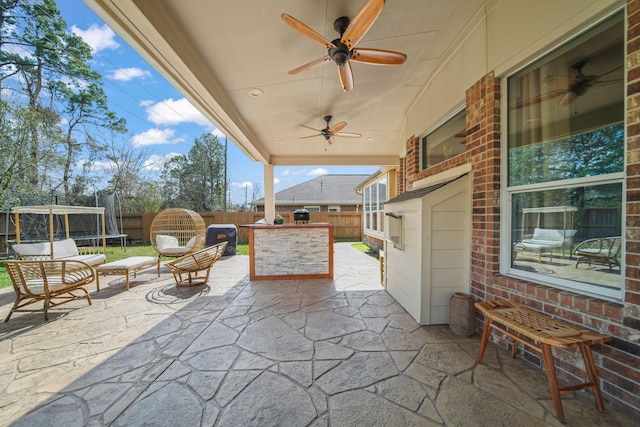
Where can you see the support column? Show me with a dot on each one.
(269, 194)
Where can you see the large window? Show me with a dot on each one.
(565, 179)
(447, 141)
(374, 197)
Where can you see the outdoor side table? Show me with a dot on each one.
(125, 267)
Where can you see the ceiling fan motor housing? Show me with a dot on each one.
(340, 54)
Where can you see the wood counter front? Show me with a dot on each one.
(290, 251)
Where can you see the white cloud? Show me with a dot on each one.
(128, 74)
(318, 171)
(95, 166)
(18, 50)
(241, 184)
(155, 137)
(155, 162)
(98, 37)
(217, 132)
(276, 180)
(288, 172)
(173, 112)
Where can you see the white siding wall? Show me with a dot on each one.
(403, 266)
(437, 249)
(450, 254)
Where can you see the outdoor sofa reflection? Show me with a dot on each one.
(545, 241)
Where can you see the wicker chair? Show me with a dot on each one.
(53, 282)
(603, 250)
(193, 264)
(177, 232)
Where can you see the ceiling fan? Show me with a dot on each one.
(569, 88)
(342, 50)
(329, 132)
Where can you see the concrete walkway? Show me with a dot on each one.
(269, 353)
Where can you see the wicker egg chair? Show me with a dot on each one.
(177, 232)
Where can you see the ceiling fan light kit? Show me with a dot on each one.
(342, 50)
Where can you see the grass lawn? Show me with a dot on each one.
(115, 253)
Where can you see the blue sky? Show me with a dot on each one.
(160, 120)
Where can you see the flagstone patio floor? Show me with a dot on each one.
(336, 352)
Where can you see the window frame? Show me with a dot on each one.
(507, 193)
(423, 139)
(377, 210)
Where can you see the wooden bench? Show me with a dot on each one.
(540, 333)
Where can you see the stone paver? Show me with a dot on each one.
(336, 352)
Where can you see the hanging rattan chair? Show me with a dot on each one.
(177, 232)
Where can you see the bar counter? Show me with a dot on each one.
(290, 251)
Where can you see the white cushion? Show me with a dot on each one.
(559, 236)
(31, 249)
(191, 243)
(64, 249)
(174, 251)
(91, 259)
(36, 286)
(164, 242)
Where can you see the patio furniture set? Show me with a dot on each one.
(601, 250)
(57, 272)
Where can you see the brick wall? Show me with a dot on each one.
(400, 177)
(618, 361)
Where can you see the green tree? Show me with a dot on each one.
(132, 179)
(67, 106)
(196, 180)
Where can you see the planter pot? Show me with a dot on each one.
(461, 314)
(278, 221)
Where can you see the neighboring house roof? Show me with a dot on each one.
(338, 189)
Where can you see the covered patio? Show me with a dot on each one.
(322, 352)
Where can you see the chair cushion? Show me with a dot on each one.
(191, 243)
(64, 249)
(92, 259)
(31, 249)
(164, 242)
(36, 286)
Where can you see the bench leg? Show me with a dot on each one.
(550, 369)
(592, 375)
(485, 338)
(514, 348)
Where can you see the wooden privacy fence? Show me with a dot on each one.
(348, 225)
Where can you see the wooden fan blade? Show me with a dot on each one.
(346, 77)
(310, 136)
(306, 31)
(361, 22)
(310, 65)
(347, 135)
(538, 99)
(313, 129)
(331, 140)
(337, 127)
(378, 56)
